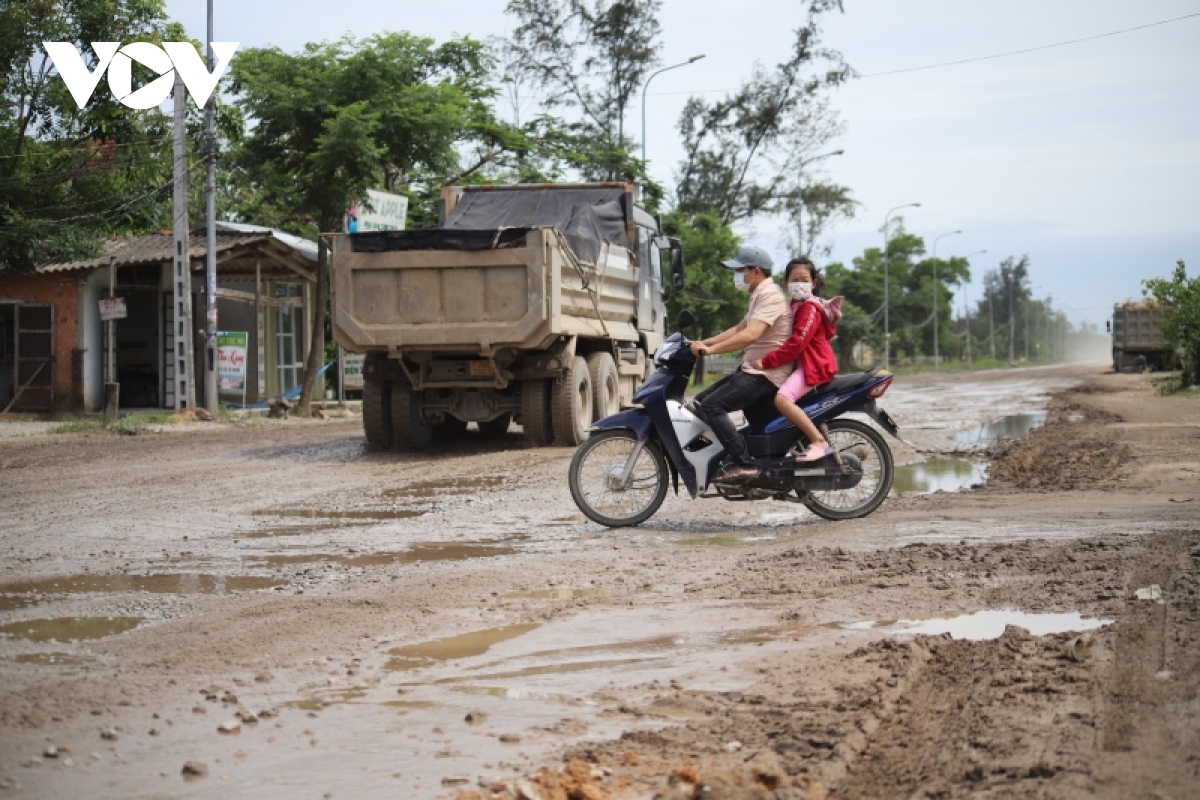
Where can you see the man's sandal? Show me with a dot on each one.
(814, 453)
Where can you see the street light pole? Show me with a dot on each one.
(935, 296)
(646, 85)
(800, 196)
(887, 329)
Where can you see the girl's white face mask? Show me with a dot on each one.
(800, 290)
(739, 281)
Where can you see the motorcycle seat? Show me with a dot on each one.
(842, 383)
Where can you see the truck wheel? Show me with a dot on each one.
(377, 403)
(409, 428)
(572, 405)
(606, 385)
(495, 428)
(535, 411)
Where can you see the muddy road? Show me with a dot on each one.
(292, 617)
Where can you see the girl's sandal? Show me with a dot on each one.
(814, 453)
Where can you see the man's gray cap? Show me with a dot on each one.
(750, 256)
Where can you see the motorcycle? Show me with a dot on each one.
(620, 476)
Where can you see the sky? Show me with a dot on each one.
(1086, 157)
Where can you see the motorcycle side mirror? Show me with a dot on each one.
(686, 319)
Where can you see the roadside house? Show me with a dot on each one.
(53, 345)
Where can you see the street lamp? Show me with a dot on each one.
(887, 329)
(800, 197)
(967, 306)
(935, 296)
(691, 60)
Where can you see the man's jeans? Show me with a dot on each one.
(737, 392)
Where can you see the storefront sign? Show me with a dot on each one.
(352, 370)
(231, 361)
(112, 308)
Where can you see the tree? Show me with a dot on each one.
(68, 176)
(708, 289)
(1178, 299)
(743, 153)
(394, 111)
(1005, 292)
(590, 56)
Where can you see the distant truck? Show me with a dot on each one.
(1135, 332)
(539, 303)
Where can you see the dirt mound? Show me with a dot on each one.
(1069, 451)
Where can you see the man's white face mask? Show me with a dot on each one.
(800, 290)
(739, 281)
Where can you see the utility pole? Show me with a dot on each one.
(210, 271)
(966, 305)
(181, 277)
(112, 389)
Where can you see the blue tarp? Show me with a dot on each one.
(291, 395)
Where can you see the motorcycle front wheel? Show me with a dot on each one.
(597, 479)
(851, 437)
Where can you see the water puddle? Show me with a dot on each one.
(18, 595)
(427, 551)
(713, 541)
(324, 700)
(51, 659)
(465, 645)
(369, 515)
(447, 486)
(550, 669)
(567, 594)
(69, 629)
(1009, 427)
(507, 693)
(983, 625)
(938, 475)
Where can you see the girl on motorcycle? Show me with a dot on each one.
(815, 323)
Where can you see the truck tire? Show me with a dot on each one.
(535, 412)
(409, 429)
(377, 403)
(572, 405)
(606, 385)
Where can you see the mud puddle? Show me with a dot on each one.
(426, 551)
(26, 593)
(52, 659)
(1008, 427)
(367, 515)
(432, 489)
(568, 594)
(988, 624)
(938, 475)
(466, 645)
(69, 629)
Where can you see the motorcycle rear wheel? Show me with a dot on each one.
(868, 445)
(596, 469)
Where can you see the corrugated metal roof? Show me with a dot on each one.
(156, 248)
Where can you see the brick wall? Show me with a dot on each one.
(60, 291)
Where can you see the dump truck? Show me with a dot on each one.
(1135, 332)
(539, 303)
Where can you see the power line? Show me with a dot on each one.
(978, 58)
(1031, 49)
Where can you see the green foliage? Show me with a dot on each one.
(744, 154)
(1179, 302)
(338, 118)
(69, 176)
(708, 290)
(591, 56)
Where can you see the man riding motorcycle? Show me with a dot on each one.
(766, 326)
